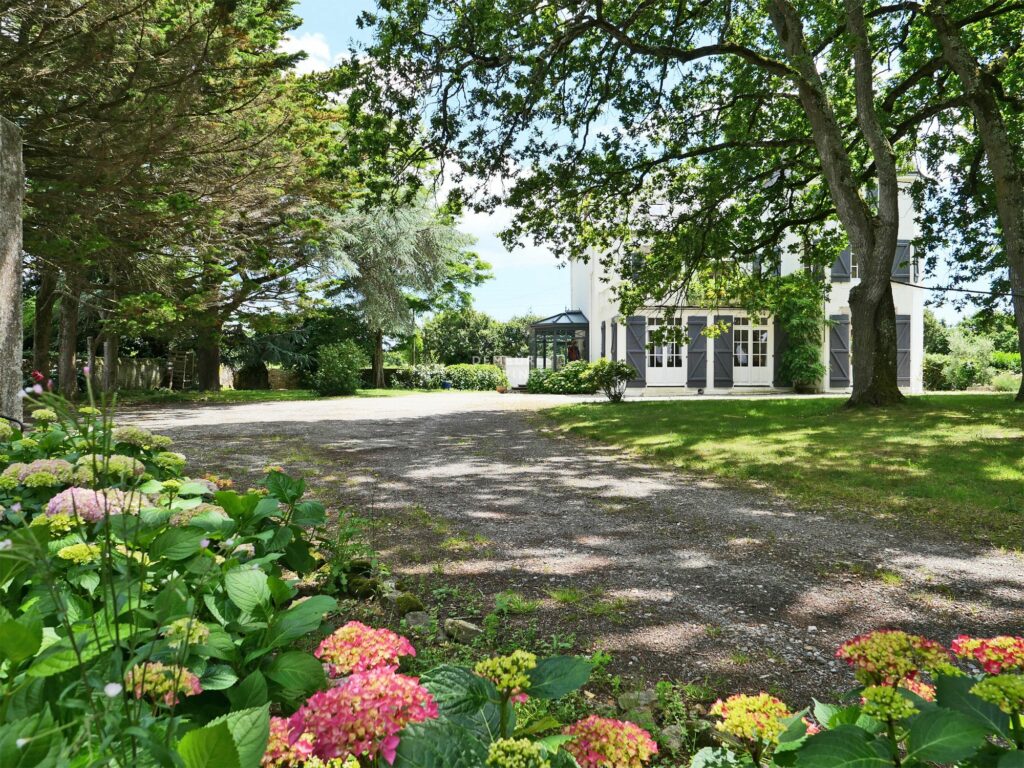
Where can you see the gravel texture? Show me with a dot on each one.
(682, 577)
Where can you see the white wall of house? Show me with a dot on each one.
(594, 297)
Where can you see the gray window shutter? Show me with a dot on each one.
(780, 342)
(903, 350)
(615, 341)
(696, 352)
(723, 353)
(841, 266)
(901, 261)
(839, 351)
(602, 338)
(636, 348)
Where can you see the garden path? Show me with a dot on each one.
(676, 575)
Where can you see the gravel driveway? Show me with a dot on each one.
(679, 576)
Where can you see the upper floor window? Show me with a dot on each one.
(854, 266)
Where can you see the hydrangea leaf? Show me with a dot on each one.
(556, 676)
(944, 736)
(955, 693)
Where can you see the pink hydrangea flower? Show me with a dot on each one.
(363, 716)
(600, 742)
(162, 682)
(281, 751)
(887, 656)
(356, 647)
(91, 505)
(1003, 653)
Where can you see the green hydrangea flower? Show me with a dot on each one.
(508, 673)
(1005, 691)
(6, 431)
(59, 524)
(185, 631)
(884, 702)
(41, 480)
(515, 753)
(170, 461)
(44, 415)
(80, 554)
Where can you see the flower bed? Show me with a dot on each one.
(154, 618)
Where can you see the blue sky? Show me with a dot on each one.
(527, 279)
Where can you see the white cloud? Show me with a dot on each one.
(318, 52)
(485, 228)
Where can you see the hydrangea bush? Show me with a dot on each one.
(145, 616)
(915, 706)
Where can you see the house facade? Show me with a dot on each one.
(745, 358)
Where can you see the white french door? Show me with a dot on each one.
(665, 361)
(751, 358)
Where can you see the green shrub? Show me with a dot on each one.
(571, 379)
(475, 377)
(934, 376)
(968, 363)
(1006, 361)
(611, 377)
(424, 376)
(537, 383)
(339, 369)
(1006, 382)
(798, 305)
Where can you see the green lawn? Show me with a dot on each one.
(227, 396)
(955, 461)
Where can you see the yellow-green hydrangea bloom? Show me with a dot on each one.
(756, 718)
(58, 524)
(44, 415)
(41, 480)
(170, 460)
(515, 753)
(6, 431)
(80, 554)
(185, 631)
(1005, 691)
(508, 673)
(884, 702)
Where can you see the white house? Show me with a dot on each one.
(746, 358)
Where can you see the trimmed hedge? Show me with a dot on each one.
(467, 376)
(462, 376)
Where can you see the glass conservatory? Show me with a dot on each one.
(560, 339)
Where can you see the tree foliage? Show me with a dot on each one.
(670, 139)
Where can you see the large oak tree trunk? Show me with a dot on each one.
(1000, 153)
(208, 359)
(378, 360)
(1017, 283)
(42, 325)
(873, 322)
(872, 234)
(12, 184)
(67, 337)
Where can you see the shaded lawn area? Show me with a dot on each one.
(229, 396)
(954, 461)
